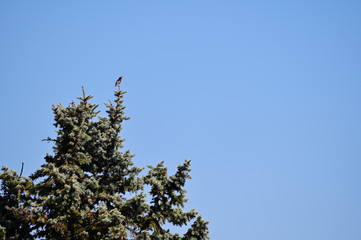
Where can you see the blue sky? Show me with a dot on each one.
(263, 96)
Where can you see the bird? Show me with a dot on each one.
(117, 83)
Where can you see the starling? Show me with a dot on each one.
(117, 83)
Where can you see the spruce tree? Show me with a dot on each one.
(14, 206)
(89, 189)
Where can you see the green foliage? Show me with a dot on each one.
(88, 189)
(14, 205)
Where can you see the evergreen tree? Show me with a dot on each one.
(88, 189)
(14, 206)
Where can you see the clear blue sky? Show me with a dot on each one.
(263, 96)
